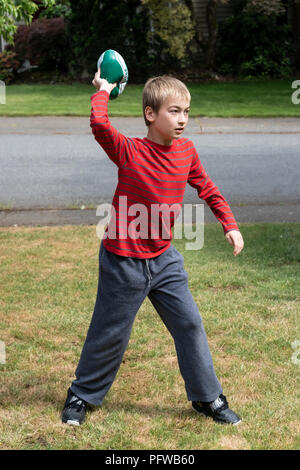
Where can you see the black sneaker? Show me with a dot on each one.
(74, 410)
(218, 410)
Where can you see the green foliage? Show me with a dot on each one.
(9, 63)
(266, 7)
(264, 46)
(172, 23)
(16, 10)
(152, 36)
(60, 8)
(95, 26)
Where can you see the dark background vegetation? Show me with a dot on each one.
(63, 43)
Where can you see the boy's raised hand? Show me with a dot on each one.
(234, 237)
(102, 84)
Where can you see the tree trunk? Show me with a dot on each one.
(212, 25)
(297, 18)
(296, 27)
(198, 33)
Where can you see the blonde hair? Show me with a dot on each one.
(158, 89)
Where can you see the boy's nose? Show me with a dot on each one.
(182, 119)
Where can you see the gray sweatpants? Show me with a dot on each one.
(124, 282)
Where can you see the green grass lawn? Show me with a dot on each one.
(250, 308)
(245, 98)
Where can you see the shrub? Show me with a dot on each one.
(9, 64)
(252, 44)
(95, 26)
(43, 43)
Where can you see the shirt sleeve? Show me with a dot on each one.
(115, 144)
(210, 193)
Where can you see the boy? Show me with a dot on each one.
(151, 171)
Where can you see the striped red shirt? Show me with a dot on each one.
(151, 185)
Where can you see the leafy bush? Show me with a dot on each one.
(60, 8)
(252, 44)
(8, 66)
(175, 30)
(43, 43)
(95, 26)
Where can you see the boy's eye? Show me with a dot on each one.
(186, 111)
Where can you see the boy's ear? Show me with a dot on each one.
(149, 113)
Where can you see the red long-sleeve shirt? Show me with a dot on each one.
(150, 176)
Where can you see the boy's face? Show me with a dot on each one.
(169, 122)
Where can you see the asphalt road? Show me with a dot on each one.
(51, 166)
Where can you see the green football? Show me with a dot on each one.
(114, 69)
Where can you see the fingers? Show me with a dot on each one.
(238, 246)
(96, 80)
(237, 250)
(235, 238)
(228, 238)
(99, 82)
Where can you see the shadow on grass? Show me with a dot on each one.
(150, 410)
(43, 395)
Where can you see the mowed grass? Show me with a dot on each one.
(250, 308)
(232, 99)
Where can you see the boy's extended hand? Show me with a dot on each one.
(234, 237)
(102, 84)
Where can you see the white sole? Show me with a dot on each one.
(73, 422)
(236, 424)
